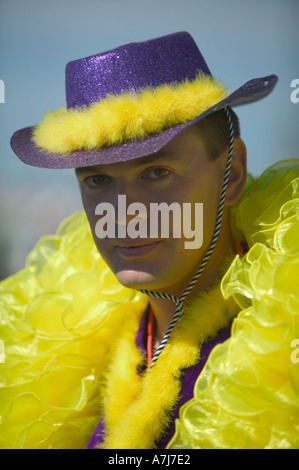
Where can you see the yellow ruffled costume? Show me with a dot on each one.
(61, 316)
(247, 396)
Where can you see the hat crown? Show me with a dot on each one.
(172, 58)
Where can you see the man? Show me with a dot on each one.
(182, 172)
(147, 122)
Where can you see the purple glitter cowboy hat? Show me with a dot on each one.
(130, 102)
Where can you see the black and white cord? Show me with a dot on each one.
(179, 301)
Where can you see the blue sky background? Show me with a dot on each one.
(239, 39)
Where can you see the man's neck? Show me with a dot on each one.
(164, 309)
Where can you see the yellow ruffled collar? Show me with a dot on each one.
(247, 396)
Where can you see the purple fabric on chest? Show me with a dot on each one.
(188, 379)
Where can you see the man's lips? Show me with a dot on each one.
(133, 243)
(136, 248)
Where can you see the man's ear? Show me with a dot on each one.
(238, 173)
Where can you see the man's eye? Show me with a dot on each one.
(97, 180)
(157, 173)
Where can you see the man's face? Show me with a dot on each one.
(181, 172)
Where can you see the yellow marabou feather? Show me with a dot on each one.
(137, 408)
(129, 116)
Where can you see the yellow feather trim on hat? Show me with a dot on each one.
(129, 116)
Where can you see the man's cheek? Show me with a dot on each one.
(90, 213)
(103, 250)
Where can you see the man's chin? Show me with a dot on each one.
(135, 279)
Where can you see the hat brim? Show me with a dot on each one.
(29, 153)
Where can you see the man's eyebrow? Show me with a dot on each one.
(136, 162)
(158, 156)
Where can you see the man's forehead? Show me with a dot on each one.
(179, 150)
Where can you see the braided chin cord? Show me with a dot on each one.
(179, 301)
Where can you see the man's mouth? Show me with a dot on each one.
(136, 248)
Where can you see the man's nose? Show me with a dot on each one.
(128, 204)
(126, 211)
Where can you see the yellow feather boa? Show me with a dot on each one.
(128, 116)
(129, 397)
(60, 323)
